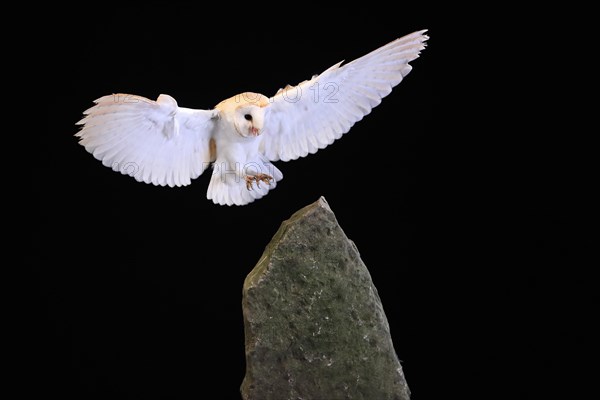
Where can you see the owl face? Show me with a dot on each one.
(246, 111)
(249, 120)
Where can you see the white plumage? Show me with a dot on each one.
(161, 143)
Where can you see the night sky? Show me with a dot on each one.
(136, 289)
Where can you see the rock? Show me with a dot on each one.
(314, 324)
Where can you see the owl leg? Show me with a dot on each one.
(257, 178)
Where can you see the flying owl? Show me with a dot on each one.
(160, 143)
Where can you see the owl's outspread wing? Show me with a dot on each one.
(308, 117)
(153, 141)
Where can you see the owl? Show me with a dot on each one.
(160, 143)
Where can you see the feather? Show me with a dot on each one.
(148, 140)
(293, 130)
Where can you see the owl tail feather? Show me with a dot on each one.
(229, 184)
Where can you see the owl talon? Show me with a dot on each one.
(257, 178)
(264, 178)
(249, 179)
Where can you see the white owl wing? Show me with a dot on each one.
(308, 117)
(153, 141)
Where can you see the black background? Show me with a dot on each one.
(136, 289)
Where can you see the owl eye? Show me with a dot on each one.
(248, 117)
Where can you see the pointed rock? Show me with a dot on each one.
(314, 324)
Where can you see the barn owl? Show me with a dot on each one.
(160, 143)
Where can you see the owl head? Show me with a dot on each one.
(246, 112)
